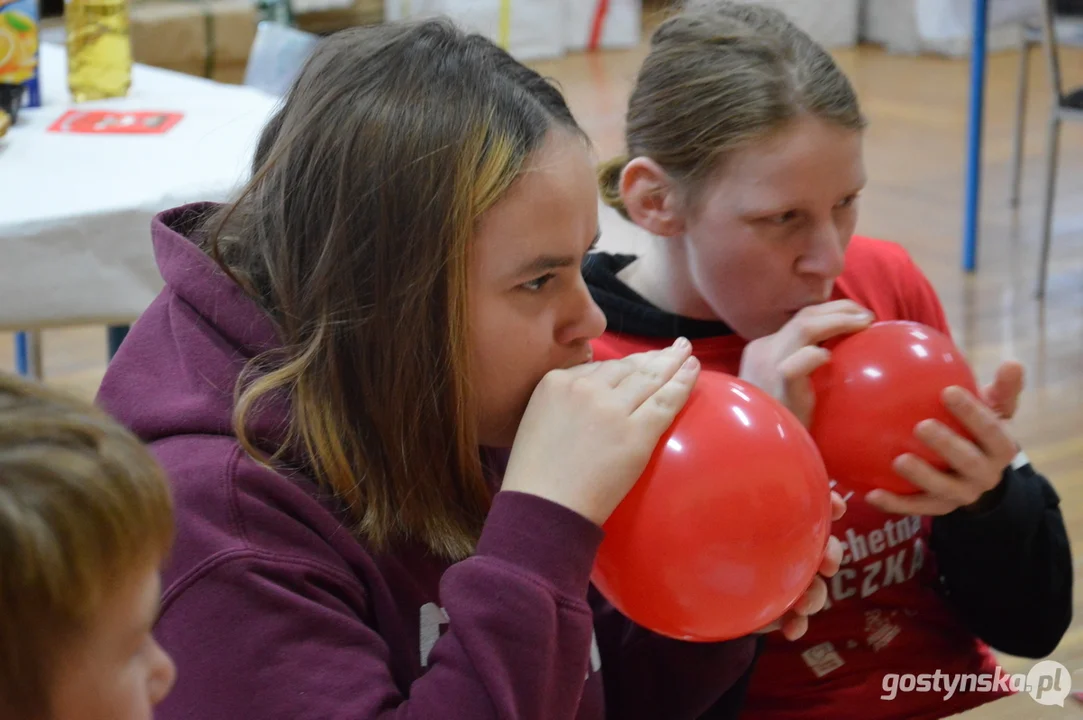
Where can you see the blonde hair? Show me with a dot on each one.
(82, 506)
(354, 235)
(720, 75)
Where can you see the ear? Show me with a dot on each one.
(650, 198)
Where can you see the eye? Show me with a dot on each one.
(847, 201)
(537, 283)
(783, 218)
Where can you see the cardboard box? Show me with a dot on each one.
(356, 13)
(208, 38)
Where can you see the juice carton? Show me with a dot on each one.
(18, 56)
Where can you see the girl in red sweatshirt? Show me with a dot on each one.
(745, 162)
(369, 380)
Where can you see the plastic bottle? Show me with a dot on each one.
(99, 48)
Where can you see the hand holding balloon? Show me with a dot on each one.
(975, 465)
(589, 431)
(781, 364)
(897, 413)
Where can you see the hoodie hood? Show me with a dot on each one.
(628, 312)
(188, 349)
(177, 371)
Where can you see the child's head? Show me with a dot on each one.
(744, 154)
(418, 214)
(85, 520)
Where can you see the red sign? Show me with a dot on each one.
(101, 122)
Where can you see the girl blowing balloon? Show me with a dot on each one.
(370, 381)
(745, 162)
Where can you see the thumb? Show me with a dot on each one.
(1003, 393)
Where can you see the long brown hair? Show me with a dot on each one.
(354, 235)
(720, 75)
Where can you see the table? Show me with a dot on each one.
(75, 210)
(974, 135)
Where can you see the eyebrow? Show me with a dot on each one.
(545, 263)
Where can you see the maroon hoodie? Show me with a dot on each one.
(272, 610)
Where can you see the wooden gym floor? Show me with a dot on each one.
(915, 156)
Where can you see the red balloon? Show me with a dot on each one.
(878, 385)
(727, 526)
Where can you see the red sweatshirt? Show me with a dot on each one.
(890, 608)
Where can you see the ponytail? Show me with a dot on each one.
(609, 184)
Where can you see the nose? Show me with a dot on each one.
(825, 257)
(163, 675)
(584, 320)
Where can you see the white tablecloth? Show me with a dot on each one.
(75, 210)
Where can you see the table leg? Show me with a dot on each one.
(974, 135)
(28, 360)
(117, 333)
(22, 359)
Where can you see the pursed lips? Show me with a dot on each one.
(583, 360)
(808, 303)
